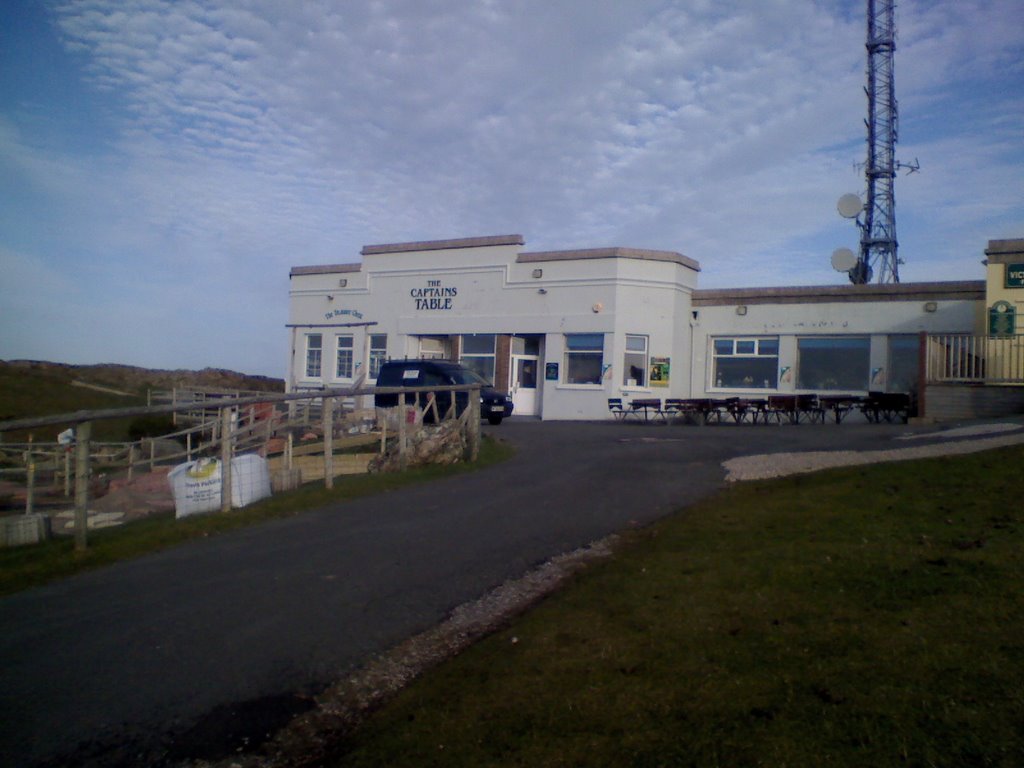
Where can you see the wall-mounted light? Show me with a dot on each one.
(542, 291)
(538, 273)
(329, 297)
(741, 309)
(342, 283)
(597, 307)
(930, 306)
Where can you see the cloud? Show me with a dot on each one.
(244, 138)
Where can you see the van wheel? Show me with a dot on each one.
(494, 418)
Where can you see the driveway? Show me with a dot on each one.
(111, 667)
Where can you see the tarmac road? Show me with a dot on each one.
(142, 662)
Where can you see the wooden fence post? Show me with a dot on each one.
(82, 436)
(30, 482)
(225, 459)
(473, 427)
(328, 412)
(67, 471)
(403, 456)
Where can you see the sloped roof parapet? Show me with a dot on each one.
(1004, 251)
(970, 290)
(324, 269)
(609, 253)
(442, 245)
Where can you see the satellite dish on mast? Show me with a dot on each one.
(850, 206)
(843, 259)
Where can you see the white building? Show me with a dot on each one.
(564, 331)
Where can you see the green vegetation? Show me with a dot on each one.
(43, 390)
(23, 567)
(37, 388)
(868, 616)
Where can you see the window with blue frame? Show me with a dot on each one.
(584, 358)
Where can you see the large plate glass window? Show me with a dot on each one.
(378, 352)
(746, 363)
(584, 358)
(314, 355)
(834, 363)
(634, 365)
(344, 361)
(478, 354)
(903, 352)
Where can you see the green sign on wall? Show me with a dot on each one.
(1002, 319)
(1015, 275)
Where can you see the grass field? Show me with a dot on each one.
(23, 567)
(871, 616)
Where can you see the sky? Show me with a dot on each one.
(164, 164)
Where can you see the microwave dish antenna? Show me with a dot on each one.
(850, 206)
(843, 259)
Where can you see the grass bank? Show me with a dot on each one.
(864, 616)
(23, 567)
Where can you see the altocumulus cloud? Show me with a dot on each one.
(242, 138)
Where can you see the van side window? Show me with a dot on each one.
(434, 379)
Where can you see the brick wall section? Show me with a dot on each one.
(502, 359)
(953, 402)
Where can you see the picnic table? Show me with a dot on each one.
(647, 406)
(839, 405)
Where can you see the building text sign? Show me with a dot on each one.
(434, 295)
(1015, 275)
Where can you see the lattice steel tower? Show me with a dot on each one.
(878, 222)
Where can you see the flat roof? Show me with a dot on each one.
(964, 290)
(609, 253)
(443, 245)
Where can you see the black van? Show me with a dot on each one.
(494, 405)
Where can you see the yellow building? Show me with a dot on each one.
(1004, 310)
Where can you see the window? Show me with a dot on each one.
(433, 347)
(526, 345)
(343, 369)
(746, 363)
(634, 365)
(314, 350)
(903, 351)
(584, 358)
(378, 352)
(838, 363)
(478, 354)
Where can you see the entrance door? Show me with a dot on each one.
(524, 384)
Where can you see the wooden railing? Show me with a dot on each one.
(963, 358)
(241, 425)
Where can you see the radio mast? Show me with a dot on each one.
(877, 221)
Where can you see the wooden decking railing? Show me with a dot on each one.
(963, 358)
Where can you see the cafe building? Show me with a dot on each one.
(565, 331)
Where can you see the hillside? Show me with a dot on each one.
(39, 388)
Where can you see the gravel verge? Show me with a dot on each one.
(313, 738)
(768, 465)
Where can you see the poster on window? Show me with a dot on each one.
(659, 371)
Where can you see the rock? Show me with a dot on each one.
(442, 443)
